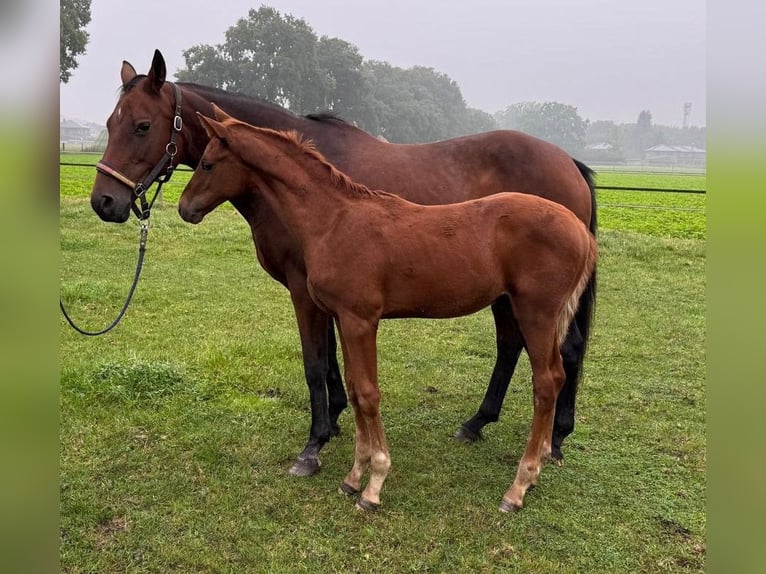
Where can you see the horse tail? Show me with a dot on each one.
(580, 292)
(587, 299)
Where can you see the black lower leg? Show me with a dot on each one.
(335, 390)
(563, 424)
(509, 345)
(308, 462)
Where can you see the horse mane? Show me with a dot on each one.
(326, 117)
(207, 91)
(307, 147)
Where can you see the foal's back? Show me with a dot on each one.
(400, 259)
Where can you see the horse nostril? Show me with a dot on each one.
(105, 206)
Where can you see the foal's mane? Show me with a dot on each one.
(306, 147)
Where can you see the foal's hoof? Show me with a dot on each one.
(467, 436)
(348, 490)
(506, 506)
(306, 467)
(366, 505)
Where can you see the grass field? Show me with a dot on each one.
(177, 429)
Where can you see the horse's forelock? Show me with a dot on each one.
(125, 88)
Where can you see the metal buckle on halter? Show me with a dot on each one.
(140, 190)
(178, 123)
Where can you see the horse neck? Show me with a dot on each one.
(249, 110)
(195, 138)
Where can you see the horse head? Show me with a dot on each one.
(139, 129)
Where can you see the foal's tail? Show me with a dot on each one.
(585, 309)
(580, 292)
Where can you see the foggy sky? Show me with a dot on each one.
(610, 59)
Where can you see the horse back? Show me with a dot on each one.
(465, 168)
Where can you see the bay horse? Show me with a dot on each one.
(372, 255)
(154, 117)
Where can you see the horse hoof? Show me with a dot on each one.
(557, 455)
(467, 436)
(506, 506)
(348, 490)
(306, 467)
(366, 505)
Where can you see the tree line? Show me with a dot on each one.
(281, 59)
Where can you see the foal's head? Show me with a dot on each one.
(220, 175)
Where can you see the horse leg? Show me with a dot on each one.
(547, 380)
(312, 326)
(352, 484)
(371, 449)
(563, 424)
(509, 345)
(336, 392)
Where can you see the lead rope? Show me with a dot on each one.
(144, 232)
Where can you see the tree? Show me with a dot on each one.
(280, 59)
(477, 121)
(348, 87)
(74, 17)
(552, 121)
(265, 55)
(644, 122)
(643, 130)
(419, 105)
(206, 65)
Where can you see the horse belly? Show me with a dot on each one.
(436, 307)
(441, 284)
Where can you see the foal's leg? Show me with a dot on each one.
(312, 325)
(547, 379)
(371, 449)
(509, 345)
(563, 424)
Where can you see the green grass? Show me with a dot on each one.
(660, 214)
(177, 429)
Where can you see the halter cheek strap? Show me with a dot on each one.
(165, 163)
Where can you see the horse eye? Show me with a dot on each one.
(143, 128)
(206, 165)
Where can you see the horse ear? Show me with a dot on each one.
(127, 73)
(213, 128)
(220, 115)
(157, 72)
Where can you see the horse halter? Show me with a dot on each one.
(139, 189)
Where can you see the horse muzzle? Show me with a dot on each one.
(190, 215)
(110, 207)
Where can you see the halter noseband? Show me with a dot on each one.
(139, 189)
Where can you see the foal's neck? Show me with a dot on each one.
(304, 193)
